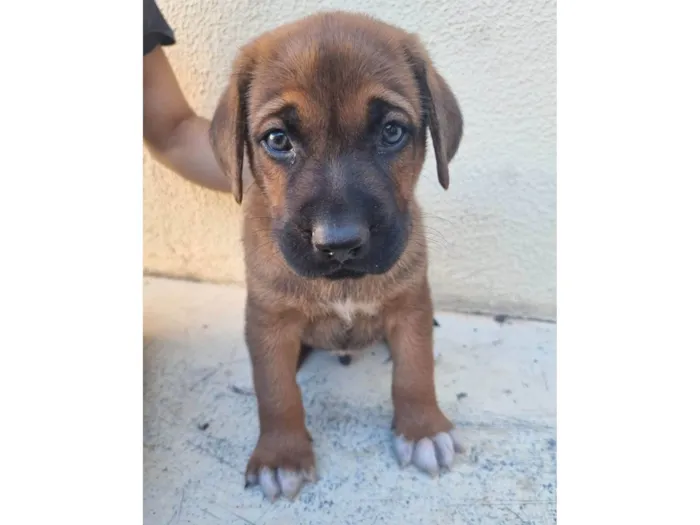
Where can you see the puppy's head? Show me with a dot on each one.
(333, 113)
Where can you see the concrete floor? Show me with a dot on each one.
(496, 380)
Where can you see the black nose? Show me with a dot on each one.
(340, 242)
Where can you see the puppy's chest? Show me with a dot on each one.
(349, 310)
(345, 325)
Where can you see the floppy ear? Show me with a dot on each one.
(229, 128)
(440, 109)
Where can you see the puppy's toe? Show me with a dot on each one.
(282, 465)
(444, 449)
(404, 450)
(268, 483)
(429, 454)
(290, 482)
(280, 482)
(424, 457)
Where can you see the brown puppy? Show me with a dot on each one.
(333, 112)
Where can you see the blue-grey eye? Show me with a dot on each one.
(392, 134)
(277, 141)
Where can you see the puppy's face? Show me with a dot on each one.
(334, 111)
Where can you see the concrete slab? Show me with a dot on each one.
(496, 380)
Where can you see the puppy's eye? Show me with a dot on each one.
(393, 135)
(277, 144)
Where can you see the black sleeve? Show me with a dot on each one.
(156, 30)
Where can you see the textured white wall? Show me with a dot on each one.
(492, 235)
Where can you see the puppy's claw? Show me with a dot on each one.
(269, 484)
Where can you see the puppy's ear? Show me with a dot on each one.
(440, 108)
(229, 128)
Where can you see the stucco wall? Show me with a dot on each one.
(492, 235)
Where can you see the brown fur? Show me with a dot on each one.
(330, 66)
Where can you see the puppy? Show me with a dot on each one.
(332, 113)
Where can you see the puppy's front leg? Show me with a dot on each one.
(283, 458)
(423, 435)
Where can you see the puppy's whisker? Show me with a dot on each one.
(433, 231)
(435, 243)
(437, 217)
(431, 239)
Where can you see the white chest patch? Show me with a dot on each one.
(347, 310)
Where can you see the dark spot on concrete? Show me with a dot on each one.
(238, 390)
(500, 318)
(551, 444)
(345, 360)
(476, 330)
(461, 395)
(205, 326)
(535, 361)
(487, 465)
(507, 391)
(203, 426)
(435, 323)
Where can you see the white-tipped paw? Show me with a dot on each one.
(276, 482)
(429, 454)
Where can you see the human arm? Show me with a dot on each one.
(175, 135)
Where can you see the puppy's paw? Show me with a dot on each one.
(281, 464)
(425, 438)
(429, 454)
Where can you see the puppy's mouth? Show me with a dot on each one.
(344, 272)
(306, 263)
